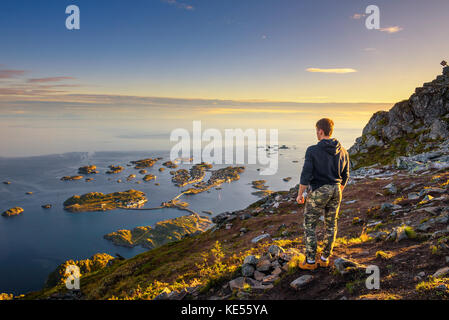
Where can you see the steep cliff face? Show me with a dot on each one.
(411, 126)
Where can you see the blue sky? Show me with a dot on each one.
(143, 67)
(236, 50)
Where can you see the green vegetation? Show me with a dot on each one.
(410, 232)
(383, 255)
(386, 155)
(163, 232)
(94, 263)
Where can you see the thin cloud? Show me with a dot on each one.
(179, 5)
(7, 74)
(393, 29)
(49, 79)
(358, 16)
(332, 70)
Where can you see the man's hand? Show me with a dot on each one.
(300, 199)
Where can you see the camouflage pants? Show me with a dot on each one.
(324, 200)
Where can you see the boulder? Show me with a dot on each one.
(259, 275)
(345, 266)
(259, 238)
(264, 265)
(441, 272)
(301, 282)
(251, 260)
(270, 279)
(248, 270)
(275, 250)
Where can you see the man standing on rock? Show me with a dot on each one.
(326, 170)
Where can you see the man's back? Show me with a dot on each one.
(327, 162)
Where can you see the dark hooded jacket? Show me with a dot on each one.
(327, 162)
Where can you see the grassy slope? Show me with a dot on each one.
(214, 257)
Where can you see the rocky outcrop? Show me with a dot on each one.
(94, 263)
(163, 232)
(411, 126)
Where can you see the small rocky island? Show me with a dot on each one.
(162, 233)
(88, 170)
(182, 177)
(261, 187)
(97, 201)
(170, 164)
(217, 177)
(259, 184)
(71, 178)
(149, 177)
(144, 163)
(12, 212)
(114, 169)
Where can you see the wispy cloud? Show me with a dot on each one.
(393, 29)
(49, 79)
(358, 16)
(331, 70)
(179, 4)
(7, 74)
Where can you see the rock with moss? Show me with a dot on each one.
(12, 212)
(97, 262)
(162, 233)
(97, 201)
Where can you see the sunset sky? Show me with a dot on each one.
(233, 59)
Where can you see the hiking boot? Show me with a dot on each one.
(307, 266)
(321, 263)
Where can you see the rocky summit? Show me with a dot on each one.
(410, 127)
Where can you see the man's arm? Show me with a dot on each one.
(345, 172)
(306, 176)
(300, 198)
